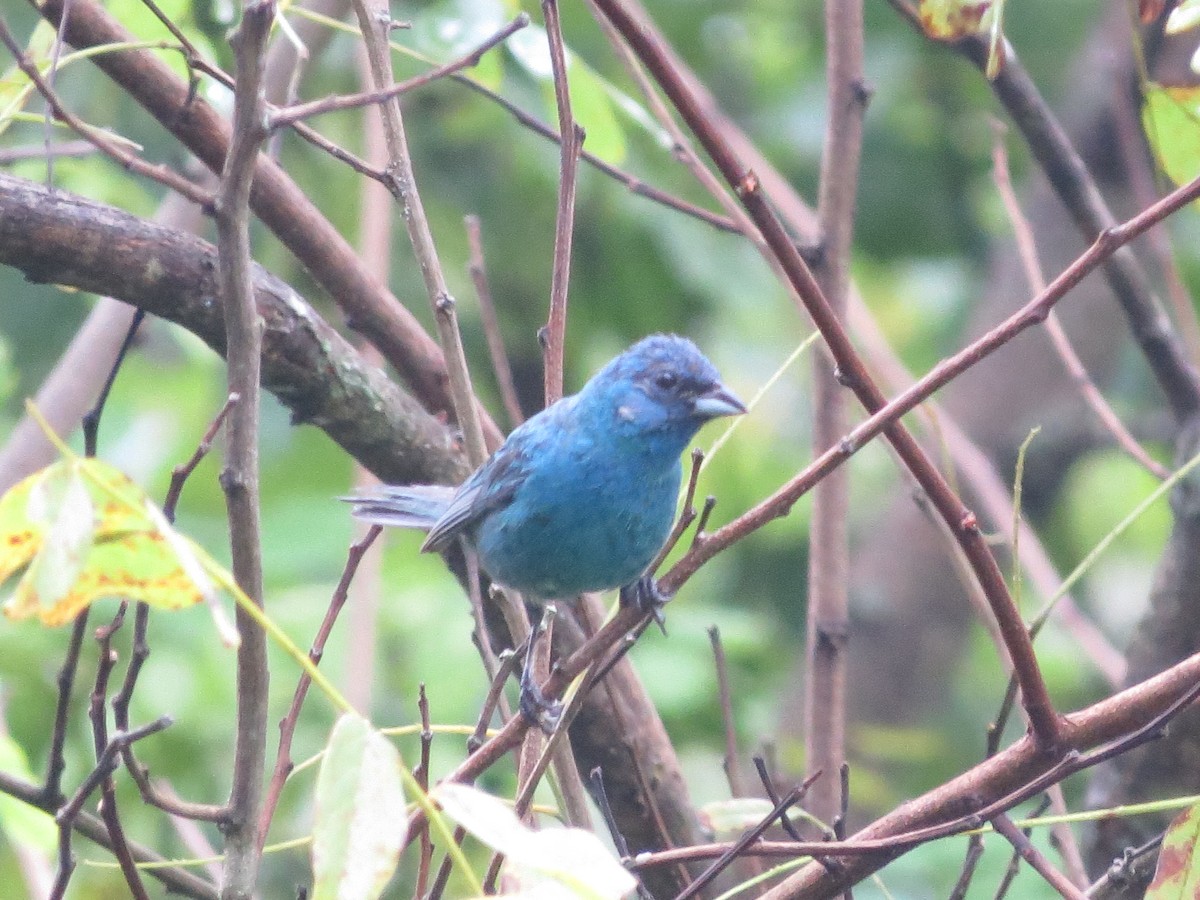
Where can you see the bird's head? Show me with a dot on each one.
(663, 387)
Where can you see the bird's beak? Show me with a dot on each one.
(716, 402)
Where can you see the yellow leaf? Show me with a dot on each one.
(951, 20)
(81, 530)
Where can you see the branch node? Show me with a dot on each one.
(748, 185)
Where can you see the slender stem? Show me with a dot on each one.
(829, 554)
(291, 114)
(730, 763)
(491, 324)
(374, 22)
(287, 725)
(239, 479)
(1025, 849)
(554, 334)
(1027, 250)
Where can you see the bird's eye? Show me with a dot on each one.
(666, 380)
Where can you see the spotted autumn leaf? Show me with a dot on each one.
(952, 20)
(1177, 875)
(80, 530)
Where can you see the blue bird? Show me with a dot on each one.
(582, 496)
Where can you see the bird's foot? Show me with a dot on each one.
(534, 705)
(645, 596)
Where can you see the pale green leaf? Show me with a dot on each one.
(1171, 118)
(1183, 17)
(360, 821)
(556, 862)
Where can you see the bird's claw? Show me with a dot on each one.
(644, 596)
(536, 709)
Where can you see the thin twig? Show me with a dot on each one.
(970, 864)
(706, 877)
(687, 516)
(421, 773)
(91, 419)
(159, 173)
(108, 795)
(291, 114)
(287, 725)
(14, 155)
(69, 811)
(506, 663)
(730, 763)
(768, 783)
(553, 336)
(634, 184)
(828, 544)
(1027, 250)
(374, 21)
(166, 800)
(1024, 847)
(239, 478)
(55, 765)
(491, 324)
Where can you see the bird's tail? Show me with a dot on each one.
(403, 506)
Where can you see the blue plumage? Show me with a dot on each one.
(580, 497)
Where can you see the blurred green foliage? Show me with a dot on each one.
(926, 219)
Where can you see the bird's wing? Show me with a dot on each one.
(491, 486)
(494, 484)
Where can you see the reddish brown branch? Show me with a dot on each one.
(829, 554)
(287, 725)
(553, 336)
(291, 114)
(853, 373)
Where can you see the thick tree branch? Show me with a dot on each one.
(57, 237)
(369, 307)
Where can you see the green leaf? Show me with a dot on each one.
(1177, 875)
(20, 821)
(360, 816)
(1171, 118)
(60, 504)
(15, 87)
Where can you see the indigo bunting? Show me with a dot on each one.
(581, 497)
